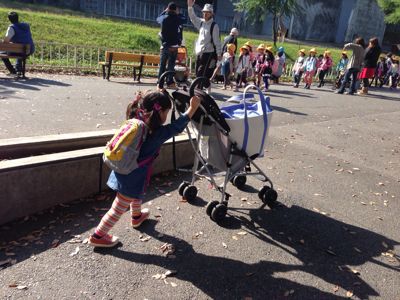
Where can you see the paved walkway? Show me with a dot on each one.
(334, 159)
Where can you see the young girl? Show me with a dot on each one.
(309, 66)
(298, 68)
(394, 72)
(324, 67)
(228, 64)
(279, 65)
(153, 110)
(380, 71)
(243, 67)
(267, 67)
(260, 59)
(341, 69)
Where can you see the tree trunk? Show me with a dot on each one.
(274, 29)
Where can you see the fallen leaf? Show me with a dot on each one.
(158, 208)
(224, 245)
(242, 233)
(234, 237)
(330, 252)
(75, 252)
(248, 274)
(157, 276)
(13, 285)
(336, 288)
(173, 284)
(10, 254)
(55, 243)
(243, 199)
(381, 183)
(385, 245)
(170, 273)
(354, 271)
(363, 203)
(4, 262)
(144, 239)
(358, 250)
(349, 294)
(22, 287)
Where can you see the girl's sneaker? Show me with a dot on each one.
(143, 217)
(106, 241)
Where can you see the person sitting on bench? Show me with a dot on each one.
(18, 33)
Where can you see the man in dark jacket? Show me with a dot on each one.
(17, 33)
(171, 38)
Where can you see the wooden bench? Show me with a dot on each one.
(139, 62)
(12, 50)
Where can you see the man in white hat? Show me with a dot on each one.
(208, 46)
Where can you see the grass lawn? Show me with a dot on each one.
(53, 24)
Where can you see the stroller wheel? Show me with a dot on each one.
(182, 186)
(268, 195)
(239, 181)
(210, 206)
(190, 193)
(219, 213)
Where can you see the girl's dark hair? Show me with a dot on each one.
(360, 41)
(374, 41)
(147, 108)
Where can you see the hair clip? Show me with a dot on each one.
(156, 107)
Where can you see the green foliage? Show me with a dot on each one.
(53, 25)
(391, 8)
(257, 10)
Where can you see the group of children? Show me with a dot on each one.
(307, 67)
(387, 71)
(259, 67)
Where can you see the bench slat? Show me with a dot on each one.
(15, 48)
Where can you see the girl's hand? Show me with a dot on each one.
(190, 3)
(194, 105)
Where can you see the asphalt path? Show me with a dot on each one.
(334, 160)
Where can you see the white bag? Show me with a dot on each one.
(249, 122)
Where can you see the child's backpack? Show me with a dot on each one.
(122, 151)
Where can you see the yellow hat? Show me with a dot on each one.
(302, 51)
(231, 47)
(248, 43)
(245, 47)
(344, 52)
(327, 52)
(261, 47)
(269, 48)
(312, 50)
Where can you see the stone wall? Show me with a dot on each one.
(317, 20)
(367, 20)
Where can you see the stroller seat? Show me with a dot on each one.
(212, 111)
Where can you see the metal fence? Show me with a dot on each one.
(77, 58)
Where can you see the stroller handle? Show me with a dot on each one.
(199, 81)
(162, 78)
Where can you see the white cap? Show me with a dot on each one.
(208, 7)
(234, 31)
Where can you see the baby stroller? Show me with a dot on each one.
(221, 150)
(181, 69)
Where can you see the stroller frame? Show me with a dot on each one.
(235, 173)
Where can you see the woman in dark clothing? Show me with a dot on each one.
(369, 65)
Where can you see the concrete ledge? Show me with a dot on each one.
(37, 145)
(32, 184)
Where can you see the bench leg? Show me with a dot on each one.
(104, 71)
(134, 73)
(109, 72)
(140, 73)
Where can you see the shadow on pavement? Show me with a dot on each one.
(30, 83)
(325, 248)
